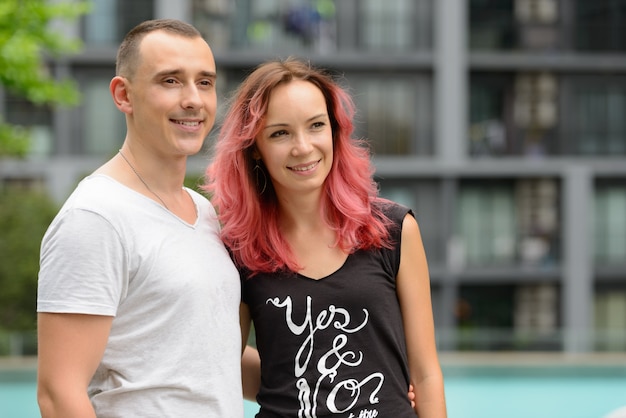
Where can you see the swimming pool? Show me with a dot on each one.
(537, 391)
(18, 393)
(485, 387)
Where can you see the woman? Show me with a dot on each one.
(334, 278)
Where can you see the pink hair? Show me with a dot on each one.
(249, 214)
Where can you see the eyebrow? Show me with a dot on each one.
(164, 73)
(276, 125)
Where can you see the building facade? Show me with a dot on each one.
(502, 123)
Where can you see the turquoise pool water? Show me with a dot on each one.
(18, 395)
(534, 391)
(471, 391)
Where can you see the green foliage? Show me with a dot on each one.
(24, 218)
(193, 181)
(27, 37)
(14, 140)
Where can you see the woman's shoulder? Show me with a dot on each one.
(394, 211)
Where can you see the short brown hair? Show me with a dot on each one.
(128, 52)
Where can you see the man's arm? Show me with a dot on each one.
(70, 349)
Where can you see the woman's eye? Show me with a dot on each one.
(278, 133)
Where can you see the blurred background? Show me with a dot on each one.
(502, 123)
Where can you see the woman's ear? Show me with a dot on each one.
(119, 88)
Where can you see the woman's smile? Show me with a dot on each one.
(302, 168)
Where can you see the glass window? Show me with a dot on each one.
(537, 209)
(485, 317)
(513, 222)
(103, 126)
(395, 24)
(491, 24)
(600, 25)
(513, 114)
(215, 18)
(322, 26)
(536, 310)
(312, 23)
(486, 223)
(596, 107)
(610, 223)
(424, 197)
(267, 24)
(227, 83)
(489, 133)
(110, 20)
(610, 318)
(507, 317)
(536, 111)
(38, 120)
(394, 113)
(515, 24)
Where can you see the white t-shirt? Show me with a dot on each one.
(175, 345)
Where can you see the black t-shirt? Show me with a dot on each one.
(333, 347)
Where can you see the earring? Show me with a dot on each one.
(258, 169)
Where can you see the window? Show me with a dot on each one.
(37, 119)
(484, 316)
(508, 317)
(491, 24)
(490, 97)
(267, 24)
(398, 25)
(600, 25)
(610, 318)
(227, 83)
(513, 114)
(486, 223)
(424, 198)
(596, 107)
(103, 126)
(110, 20)
(515, 24)
(610, 223)
(537, 208)
(321, 26)
(508, 222)
(214, 19)
(394, 113)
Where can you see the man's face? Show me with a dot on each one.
(172, 94)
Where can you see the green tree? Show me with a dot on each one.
(24, 218)
(27, 40)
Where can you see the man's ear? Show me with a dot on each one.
(119, 88)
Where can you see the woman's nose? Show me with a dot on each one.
(302, 144)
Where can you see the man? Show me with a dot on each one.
(138, 299)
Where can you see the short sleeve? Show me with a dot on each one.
(83, 266)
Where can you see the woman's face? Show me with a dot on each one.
(296, 141)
